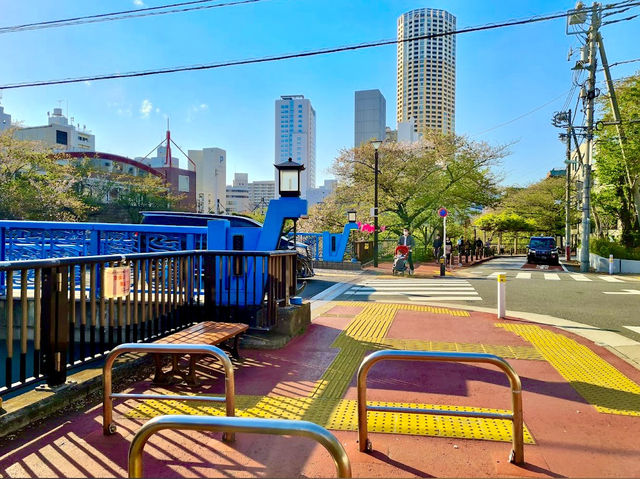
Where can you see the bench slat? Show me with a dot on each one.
(208, 332)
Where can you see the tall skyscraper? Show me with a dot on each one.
(210, 165)
(370, 116)
(427, 70)
(296, 137)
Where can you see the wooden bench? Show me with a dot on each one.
(208, 332)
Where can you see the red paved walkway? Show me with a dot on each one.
(566, 388)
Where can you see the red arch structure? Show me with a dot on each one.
(111, 157)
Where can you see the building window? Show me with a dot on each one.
(62, 138)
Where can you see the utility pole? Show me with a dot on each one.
(592, 38)
(567, 194)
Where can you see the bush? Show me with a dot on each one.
(603, 247)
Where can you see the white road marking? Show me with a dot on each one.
(611, 279)
(445, 298)
(635, 329)
(523, 276)
(579, 277)
(628, 291)
(551, 276)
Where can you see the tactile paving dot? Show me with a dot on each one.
(599, 383)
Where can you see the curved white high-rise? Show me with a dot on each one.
(427, 70)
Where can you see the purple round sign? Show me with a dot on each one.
(442, 212)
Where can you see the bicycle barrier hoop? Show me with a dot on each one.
(201, 349)
(281, 427)
(517, 453)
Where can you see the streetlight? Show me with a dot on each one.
(376, 145)
(289, 176)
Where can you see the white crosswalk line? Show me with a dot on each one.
(635, 329)
(445, 298)
(523, 276)
(610, 279)
(579, 277)
(415, 290)
(493, 275)
(551, 277)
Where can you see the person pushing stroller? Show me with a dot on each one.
(407, 240)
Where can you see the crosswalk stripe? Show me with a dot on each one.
(417, 293)
(635, 329)
(552, 276)
(611, 279)
(411, 288)
(445, 298)
(579, 277)
(419, 282)
(523, 276)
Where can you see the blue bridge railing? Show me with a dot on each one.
(33, 240)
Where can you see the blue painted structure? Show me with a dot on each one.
(24, 240)
(329, 246)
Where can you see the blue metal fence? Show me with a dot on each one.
(32, 240)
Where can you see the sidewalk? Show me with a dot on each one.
(581, 406)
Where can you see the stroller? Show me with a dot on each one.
(400, 256)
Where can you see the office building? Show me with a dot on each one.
(316, 195)
(260, 193)
(295, 137)
(238, 194)
(370, 116)
(60, 134)
(427, 70)
(210, 165)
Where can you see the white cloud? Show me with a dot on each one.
(146, 108)
(138, 3)
(204, 106)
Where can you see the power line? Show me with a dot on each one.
(273, 58)
(125, 14)
(624, 62)
(521, 116)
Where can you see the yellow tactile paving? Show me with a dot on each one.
(324, 403)
(342, 415)
(504, 351)
(408, 307)
(594, 379)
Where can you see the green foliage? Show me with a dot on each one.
(542, 204)
(36, 184)
(617, 192)
(415, 180)
(603, 247)
(504, 222)
(107, 190)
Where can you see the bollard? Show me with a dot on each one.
(442, 268)
(610, 264)
(502, 283)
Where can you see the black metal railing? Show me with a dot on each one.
(54, 314)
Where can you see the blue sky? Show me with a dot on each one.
(501, 74)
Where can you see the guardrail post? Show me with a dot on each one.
(55, 325)
(610, 264)
(502, 295)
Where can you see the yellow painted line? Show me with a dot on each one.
(342, 415)
(599, 383)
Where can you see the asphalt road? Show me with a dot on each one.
(581, 301)
(560, 293)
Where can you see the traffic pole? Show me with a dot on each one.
(502, 299)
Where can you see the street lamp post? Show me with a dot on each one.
(376, 145)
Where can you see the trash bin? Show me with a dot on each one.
(364, 250)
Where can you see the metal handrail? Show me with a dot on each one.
(229, 384)
(281, 427)
(517, 453)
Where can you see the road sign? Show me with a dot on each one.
(442, 212)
